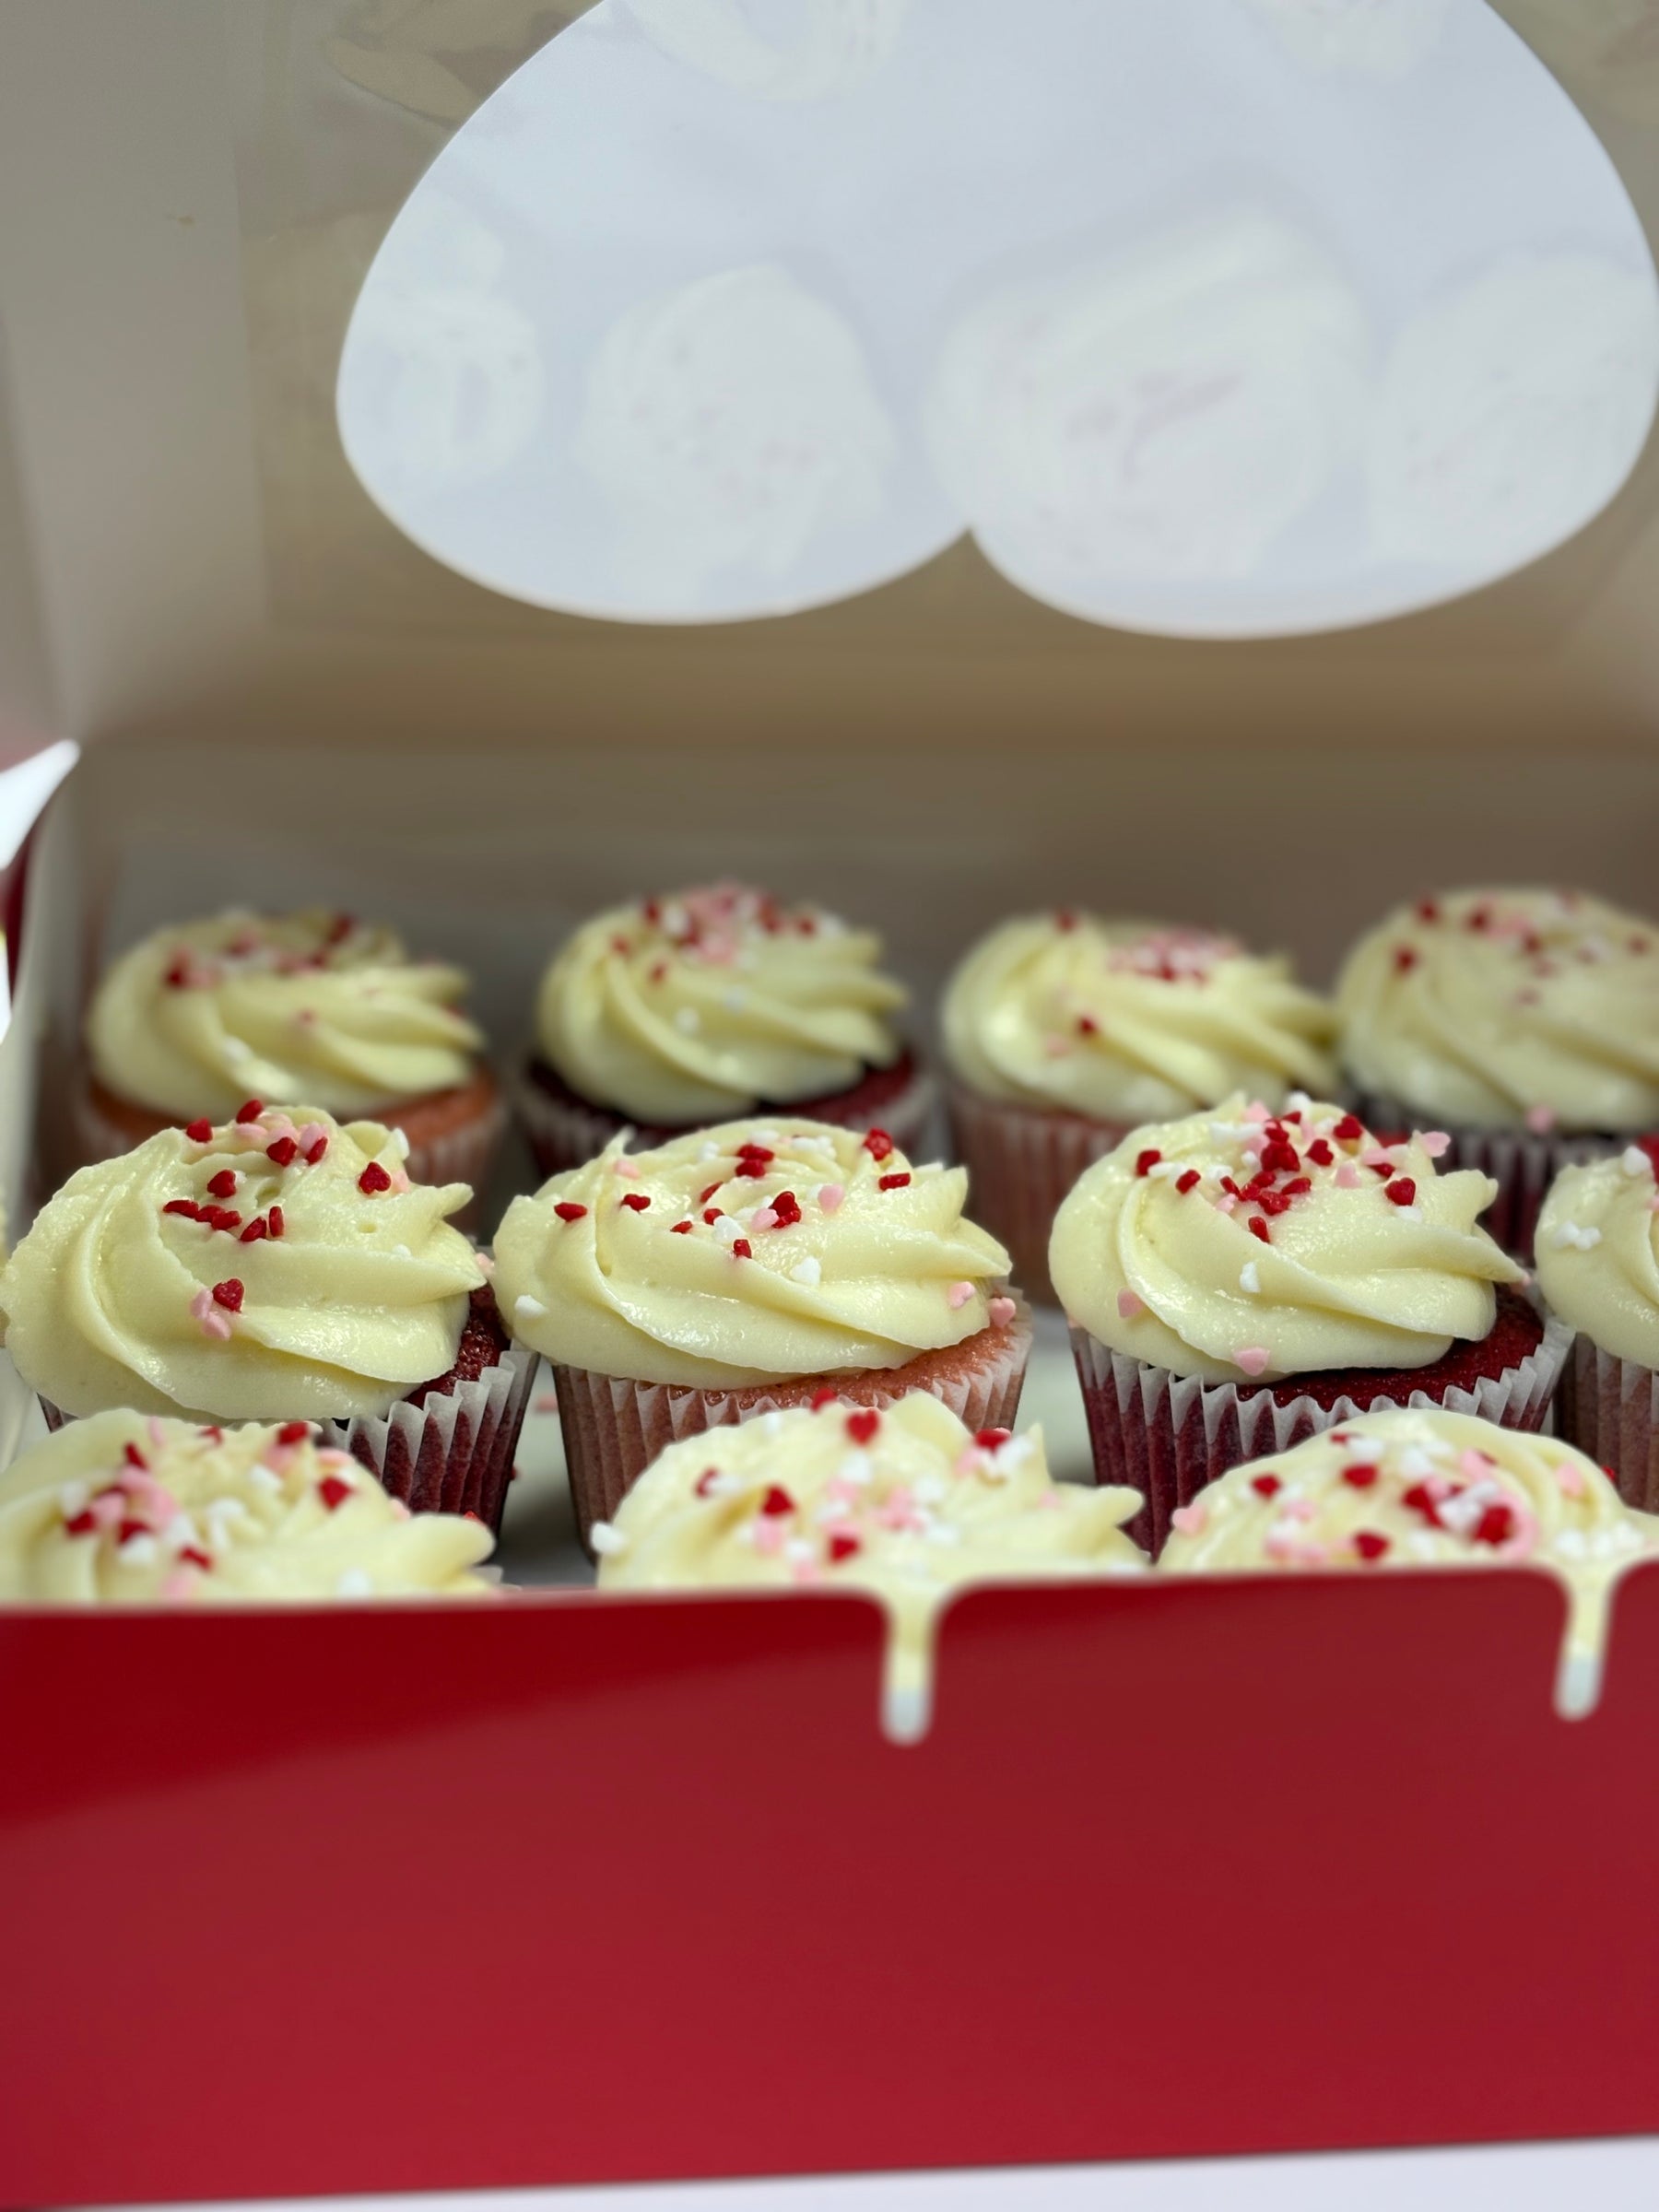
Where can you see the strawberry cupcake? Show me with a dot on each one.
(1238, 1280)
(1598, 1266)
(276, 1267)
(745, 1269)
(1525, 1023)
(1062, 1032)
(310, 1006)
(125, 1510)
(670, 1013)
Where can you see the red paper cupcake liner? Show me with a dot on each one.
(1169, 1435)
(452, 1453)
(1522, 1162)
(563, 1131)
(1021, 1162)
(614, 1428)
(1608, 1407)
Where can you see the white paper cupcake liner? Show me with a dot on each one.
(564, 1133)
(1021, 1162)
(1523, 1163)
(1169, 1435)
(614, 1428)
(1608, 1407)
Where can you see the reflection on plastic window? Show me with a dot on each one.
(1166, 414)
(1373, 38)
(1508, 409)
(776, 49)
(438, 58)
(730, 421)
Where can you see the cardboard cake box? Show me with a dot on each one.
(564, 1890)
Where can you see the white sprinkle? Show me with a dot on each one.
(941, 1532)
(769, 1424)
(710, 1151)
(1633, 1161)
(354, 1582)
(1569, 1235)
(401, 1143)
(1571, 1544)
(137, 1551)
(799, 1550)
(266, 1479)
(1298, 1102)
(727, 1230)
(607, 1539)
(858, 1469)
(929, 1490)
(528, 1308)
(234, 1049)
(401, 1252)
(1163, 1170)
(182, 1530)
(1249, 1278)
(1411, 1213)
(736, 1000)
(687, 1020)
(72, 1497)
(1364, 1451)
(806, 1271)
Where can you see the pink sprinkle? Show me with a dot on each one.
(838, 1490)
(400, 1179)
(1377, 1156)
(1003, 1311)
(1189, 1519)
(806, 1571)
(1435, 1142)
(1129, 1305)
(1056, 1047)
(215, 1321)
(830, 1195)
(1474, 1465)
(958, 1295)
(1294, 1551)
(1347, 1176)
(1569, 1479)
(1225, 1204)
(1540, 1120)
(622, 1165)
(770, 1533)
(1256, 1111)
(309, 1135)
(158, 1431)
(180, 1584)
(1252, 1357)
(764, 1218)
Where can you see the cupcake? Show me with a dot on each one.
(309, 1006)
(1063, 1032)
(1598, 1266)
(275, 1268)
(1524, 1022)
(907, 1503)
(1236, 1281)
(746, 1268)
(1419, 1488)
(672, 1013)
(119, 1509)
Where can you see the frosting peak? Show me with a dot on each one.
(310, 1006)
(1128, 1021)
(739, 1255)
(709, 1002)
(272, 1265)
(1242, 1245)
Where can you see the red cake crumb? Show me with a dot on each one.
(483, 1341)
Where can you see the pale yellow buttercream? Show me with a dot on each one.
(1379, 1260)
(1416, 1487)
(1499, 1008)
(704, 1005)
(203, 1015)
(906, 1504)
(121, 1510)
(112, 1299)
(1598, 1253)
(1125, 1021)
(880, 1265)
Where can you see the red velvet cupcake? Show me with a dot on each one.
(687, 1010)
(1237, 1281)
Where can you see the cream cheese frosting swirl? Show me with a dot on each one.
(1417, 1488)
(1247, 1246)
(1598, 1253)
(288, 1006)
(266, 1268)
(906, 1503)
(121, 1510)
(1125, 1021)
(708, 1003)
(1492, 1009)
(740, 1254)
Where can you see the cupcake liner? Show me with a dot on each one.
(1608, 1407)
(614, 1428)
(1169, 1435)
(1021, 1161)
(567, 1133)
(1523, 1162)
(451, 1455)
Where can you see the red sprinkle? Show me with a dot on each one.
(711, 1216)
(787, 1208)
(753, 1161)
(706, 1481)
(293, 1432)
(187, 1206)
(703, 1197)
(178, 975)
(1420, 1500)
(277, 1221)
(250, 1109)
(282, 1151)
(229, 1294)
(635, 1201)
(257, 1230)
(192, 1557)
(1428, 909)
(1403, 1191)
(568, 1210)
(1496, 1525)
(373, 1178)
(1065, 919)
(319, 1146)
(1280, 1158)
(1349, 1129)
(83, 1525)
(220, 1216)
(992, 1440)
(1359, 1476)
(843, 1545)
(333, 1491)
(1274, 1202)
(891, 1183)
(826, 1394)
(1266, 1486)
(1404, 959)
(1145, 1161)
(1319, 1153)
(135, 1458)
(1258, 1227)
(201, 1132)
(1087, 1025)
(777, 1501)
(741, 1249)
(681, 1229)
(878, 1143)
(1188, 1181)
(862, 1425)
(224, 1183)
(1369, 1544)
